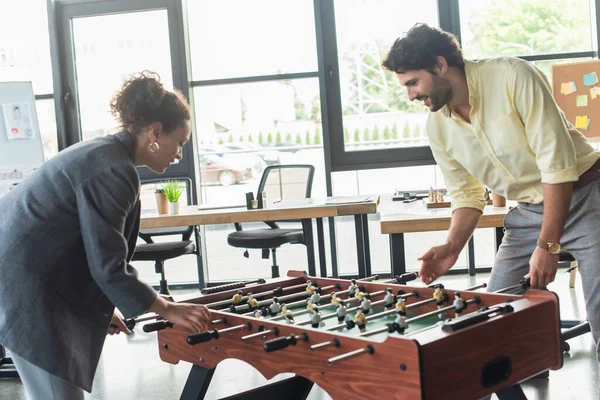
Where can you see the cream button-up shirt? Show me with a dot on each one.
(518, 138)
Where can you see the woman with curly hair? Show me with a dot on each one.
(66, 239)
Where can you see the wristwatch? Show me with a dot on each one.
(550, 247)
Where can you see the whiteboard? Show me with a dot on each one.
(21, 149)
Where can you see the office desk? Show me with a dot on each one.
(304, 210)
(398, 218)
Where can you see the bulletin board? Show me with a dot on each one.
(576, 89)
(21, 149)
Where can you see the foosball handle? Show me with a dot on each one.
(202, 337)
(129, 323)
(283, 342)
(157, 326)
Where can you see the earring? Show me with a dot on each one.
(154, 147)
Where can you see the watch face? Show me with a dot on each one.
(554, 248)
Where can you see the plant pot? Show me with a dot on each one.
(174, 208)
(162, 204)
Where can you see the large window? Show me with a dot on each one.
(525, 27)
(376, 110)
(257, 103)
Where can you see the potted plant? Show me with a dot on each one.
(172, 189)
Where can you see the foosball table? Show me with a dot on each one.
(362, 339)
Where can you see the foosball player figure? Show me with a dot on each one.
(459, 304)
(275, 307)
(399, 325)
(334, 299)
(287, 314)
(309, 287)
(309, 304)
(252, 302)
(341, 311)
(237, 298)
(365, 305)
(352, 288)
(439, 300)
(401, 306)
(316, 296)
(359, 295)
(315, 318)
(360, 319)
(259, 314)
(389, 298)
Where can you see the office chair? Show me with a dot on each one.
(280, 182)
(572, 328)
(160, 252)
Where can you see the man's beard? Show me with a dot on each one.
(441, 94)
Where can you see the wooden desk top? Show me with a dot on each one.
(399, 217)
(285, 210)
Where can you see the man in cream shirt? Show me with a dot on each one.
(495, 123)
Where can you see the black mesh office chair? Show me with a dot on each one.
(280, 182)
(160, 252)
(572, 328)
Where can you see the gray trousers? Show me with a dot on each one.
(42, 385)
(581, 238)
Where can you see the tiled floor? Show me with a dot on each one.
(131, 369)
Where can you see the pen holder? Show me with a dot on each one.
(249, 199)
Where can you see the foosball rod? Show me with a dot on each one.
(300, 302)
(261, 303)
(326, 297)
(369, 349)
(261, 333)
(332, 315)
(205, 336)
(475, 299)
(524, 284)
(276, 292)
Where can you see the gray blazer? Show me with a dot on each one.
(67, 234)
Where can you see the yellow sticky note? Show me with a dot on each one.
(568, 87)
(582, 100)
(582, 122)
(595, 92)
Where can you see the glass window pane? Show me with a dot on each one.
(245, 127)
(241, 129)
(376, 110)
(525, 27)
(47, 120)
(129, 51)
(24, 44)
(233, 38)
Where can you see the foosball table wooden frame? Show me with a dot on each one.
(504, 340)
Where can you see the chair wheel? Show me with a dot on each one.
(566, 347)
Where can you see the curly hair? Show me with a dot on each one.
(143, 100)
(420, 47)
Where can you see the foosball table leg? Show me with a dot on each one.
(197, 383)
(511, 393)
(294, 388)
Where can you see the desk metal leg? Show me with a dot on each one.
(199, 255)
(333, 246)
(360, 246)
(310, 246)
(397, 254)
(321, 244)
(471, 256)
(365, 226)
(6, 372)
(197, 383)
(294, 388)
(499, 237)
